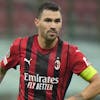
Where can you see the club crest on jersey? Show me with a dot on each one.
(57, 63)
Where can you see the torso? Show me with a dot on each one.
(43, 71)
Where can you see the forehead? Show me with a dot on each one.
(50, 14)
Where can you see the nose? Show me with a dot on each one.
(53, 25)
(53, 29)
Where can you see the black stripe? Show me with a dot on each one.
(67, 70)
(57, 72)
(26, 70)
(41, 70)
(69, 80)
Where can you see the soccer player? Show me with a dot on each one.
(47, 63)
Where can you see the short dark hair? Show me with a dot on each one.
(48, 6)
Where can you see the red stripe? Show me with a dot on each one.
(51, 70)
(22, 56)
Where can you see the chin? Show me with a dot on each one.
(53, 37)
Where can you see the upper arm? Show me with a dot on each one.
(78, 61)
(11, 60)
(89, 74)
(95, 77)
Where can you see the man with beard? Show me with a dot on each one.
(47, 63)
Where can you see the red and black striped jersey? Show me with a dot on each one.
(45, 74)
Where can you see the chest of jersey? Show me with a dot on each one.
(43, 72)
(43, 64)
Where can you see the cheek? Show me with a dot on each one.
(42, 26)
(45, 27)
(59, 27)
(42, 29)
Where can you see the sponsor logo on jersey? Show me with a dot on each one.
(28, 61)
(39, 82)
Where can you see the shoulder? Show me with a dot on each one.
(16, 42)
(20, 40)
(72, 47)
(15, 45)
(74, 50)
(24, 40)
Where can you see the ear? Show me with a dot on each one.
(36, 21)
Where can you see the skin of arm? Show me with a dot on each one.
(92, 90)
(2, 73)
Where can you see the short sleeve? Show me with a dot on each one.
(11, 60)
(78, 61)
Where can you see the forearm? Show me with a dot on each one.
(92, 90)
(1, 77)
(2, 73)
(76, 97)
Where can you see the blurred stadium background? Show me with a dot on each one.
(81, 27)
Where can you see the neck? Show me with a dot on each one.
(46, 44)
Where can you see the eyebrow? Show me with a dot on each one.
(47, 19)
(58, 20)
(50, 19)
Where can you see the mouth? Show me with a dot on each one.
(52, 32)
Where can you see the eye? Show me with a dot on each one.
(47, 20)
